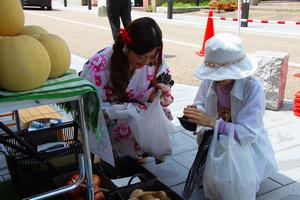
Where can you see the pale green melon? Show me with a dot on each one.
(24, 63)
(11, 17)
(33, 30)
(59, 53)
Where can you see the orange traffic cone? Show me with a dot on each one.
(209, 32)
(297, 104)
(297, 100)
(297, 75)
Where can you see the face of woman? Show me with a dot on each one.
(223, 82)
(139, 60)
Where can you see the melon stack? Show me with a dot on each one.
(29, 55)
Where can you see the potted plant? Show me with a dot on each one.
(229, 5)
(234, 4)
(226, 5)
(215, 4)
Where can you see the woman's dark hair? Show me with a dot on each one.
(146, 36)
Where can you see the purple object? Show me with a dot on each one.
(222, 130)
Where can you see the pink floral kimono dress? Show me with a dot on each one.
(97, 71)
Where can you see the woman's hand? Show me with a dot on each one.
(166, 97)
(191, 106)
(196, 116)
(163, 88)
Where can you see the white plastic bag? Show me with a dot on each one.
(153, 130)
(117, 111)
(230, 171)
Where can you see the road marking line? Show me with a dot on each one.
(201, 22)
(105, 28)
(182, 43)
(247, 30)
(263, 21)
(174, 21)
(70, 21)
(296, 65)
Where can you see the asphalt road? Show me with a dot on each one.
(86, 33)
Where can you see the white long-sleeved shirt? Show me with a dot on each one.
(247, 111)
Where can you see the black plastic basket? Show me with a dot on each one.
(30, 170)
(106, 183)
(124, 167)
(151, 185)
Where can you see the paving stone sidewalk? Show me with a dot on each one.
(283, 128)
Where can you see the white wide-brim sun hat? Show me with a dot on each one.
(225, 59)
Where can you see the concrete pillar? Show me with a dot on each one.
(272, 72)
(102, 8)
(153, 5)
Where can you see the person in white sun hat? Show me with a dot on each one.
(229, 102)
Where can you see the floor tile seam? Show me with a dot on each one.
(2, 155)
(163, 181)
(277, 188)
(186, 151)
(5, 174)
(269, 191)
(180, 163)
(177, 184)
(286, 149)
(4, 178)
(7, 178)
(281, 183)
(3, 164)
(276, 126)
(3, 168)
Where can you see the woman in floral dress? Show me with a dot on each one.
(132, 71)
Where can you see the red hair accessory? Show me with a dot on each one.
(125, 37)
